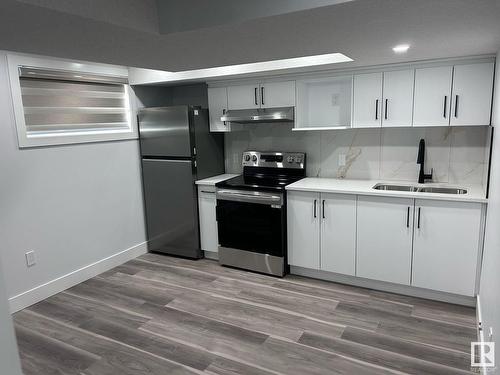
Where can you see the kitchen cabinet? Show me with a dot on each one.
(323, 103)
(303, 225)
(432, 96)
(277, 94)
(367, 105)
(384, 238)
(243, 96)
(338, 233)
(397, 101)
(472, 94)
(261, 95)
(322, 231)
(217, 106)
(207, 217)
(446, 245)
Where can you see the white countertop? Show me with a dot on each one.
(214, 179)
(475, 193)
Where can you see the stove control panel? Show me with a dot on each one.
(295, 160)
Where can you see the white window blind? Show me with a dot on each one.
(68, 102)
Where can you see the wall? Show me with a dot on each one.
(74, 205)
(9, 356)
(157, 96)
(135, 14)
(489, 292)
(457, 154)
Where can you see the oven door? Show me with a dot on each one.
(252, 221)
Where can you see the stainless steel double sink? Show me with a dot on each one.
(420, 189)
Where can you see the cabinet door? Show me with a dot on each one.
(208, 223)
(243, 97)
(367, 105)
(472, 94)
(446, 244)
(384, 238)
(398, 98)
(432, 96)
(303, 220)
(217, 106)
(338, 233)
(277, 94)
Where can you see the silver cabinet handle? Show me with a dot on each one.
(223, 113)
(456, 106)
(323, 209)
(408, 217)
(208, 192)
(386, 108)
(255, 95)
(376, 109)
(262, 95)
(418, 220)
(444, 105)
(315, 208)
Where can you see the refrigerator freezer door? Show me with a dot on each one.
(165, 131)
(171, 207)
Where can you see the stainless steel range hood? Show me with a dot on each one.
(243, 116)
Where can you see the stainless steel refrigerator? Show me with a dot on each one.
(177, 149)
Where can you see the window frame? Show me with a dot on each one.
(14, 61)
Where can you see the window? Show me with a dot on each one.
(55, 103)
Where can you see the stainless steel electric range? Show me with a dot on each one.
(251, 211)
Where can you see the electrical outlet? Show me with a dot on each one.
(342, 160)
(30, 258)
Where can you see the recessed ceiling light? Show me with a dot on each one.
(401, 48)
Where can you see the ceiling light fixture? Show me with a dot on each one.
(401, 48)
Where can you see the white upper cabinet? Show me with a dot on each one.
(472, 94)
(367, 105)
(323, 103)
(397, 104)
(432, 96)
(262, 95)
(384, 238)
(303, 225)
(338, 233)
(243, 96)
(277, 94)
(217, 106)
(446, 245)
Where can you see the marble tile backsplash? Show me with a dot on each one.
(457, 154)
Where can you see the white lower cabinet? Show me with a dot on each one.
(322, 231)
(208, 224)
(338, 233)
(446, 245)
(303, 225)
(384, 238)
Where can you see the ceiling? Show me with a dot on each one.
(365, 30)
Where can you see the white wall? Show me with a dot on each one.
(489, 292)
(73, 205)
(9, 356)
(457, 154)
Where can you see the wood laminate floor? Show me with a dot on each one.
(164, 315)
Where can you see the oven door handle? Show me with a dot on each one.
(250, 197)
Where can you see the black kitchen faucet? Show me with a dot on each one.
(421, 160)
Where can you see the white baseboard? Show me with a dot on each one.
(384, 286)
(64, 282)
